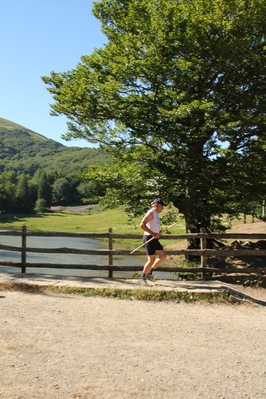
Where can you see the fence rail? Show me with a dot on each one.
(203, 252)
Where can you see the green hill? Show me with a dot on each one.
(24, 151)
(6, 124)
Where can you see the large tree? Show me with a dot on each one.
(179, 92)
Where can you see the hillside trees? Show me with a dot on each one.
(7, 192)
(44, 189)
(23, 152)
(64, 191)
(23, 197)
(39, 162)
(178, 91)
(23, 194)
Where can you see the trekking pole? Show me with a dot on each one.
(142, 245)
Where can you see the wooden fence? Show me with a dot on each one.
(203, 252)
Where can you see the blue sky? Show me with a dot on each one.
(37, 37)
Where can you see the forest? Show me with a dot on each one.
(36, 172)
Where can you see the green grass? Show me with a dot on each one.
(129, 294)
(91, 221)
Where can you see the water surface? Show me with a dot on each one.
(68, 242)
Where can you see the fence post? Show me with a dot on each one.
(110, 247)
(23, 249)
(203, 246)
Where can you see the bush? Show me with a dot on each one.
(40, 205)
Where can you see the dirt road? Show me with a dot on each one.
(65, 347)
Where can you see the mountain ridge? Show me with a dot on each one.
(7, 124)
(24, 151)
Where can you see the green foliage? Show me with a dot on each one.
(64, 192)
(90, 191)
(40, 206)
(31, 167)
(124, 186)
(136, 275)
(178, 95)
(44, 189)
(23, 195)
(253, 282)
(23, 151)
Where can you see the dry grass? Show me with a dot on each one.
(139, 294)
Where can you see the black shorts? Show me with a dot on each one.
(153, 246)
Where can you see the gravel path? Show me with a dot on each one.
(66, 346)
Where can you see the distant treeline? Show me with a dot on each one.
(25, 194)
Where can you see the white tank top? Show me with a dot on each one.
(154, 225)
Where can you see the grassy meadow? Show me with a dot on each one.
(75, 220)
(86, 219)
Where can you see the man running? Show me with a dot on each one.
(151, 226)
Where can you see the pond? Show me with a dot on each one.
(68, 242)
